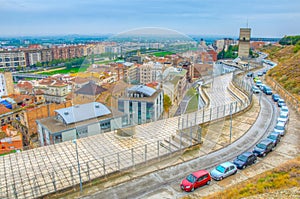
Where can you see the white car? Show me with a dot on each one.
(284, 109)
(283, 117)
(280, 128)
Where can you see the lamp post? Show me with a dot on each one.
(78, 164)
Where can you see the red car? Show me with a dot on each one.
(195, 180)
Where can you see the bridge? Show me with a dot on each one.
(18, 76)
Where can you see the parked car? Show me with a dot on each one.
(223, 170)
(275, 97)
(260, 74)
(255, 79)
(284, 109)
(267, 90)
(265, 71)
(263, 147)
(255, 89)
(275, 137)
(195, 180)
(281, 102)
(244, 160)
(280, 128)
(258, 82)
(262, 87)
(250, 74)
(283, 117)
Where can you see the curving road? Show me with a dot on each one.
(165, 183)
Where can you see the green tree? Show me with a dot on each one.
(167, 104)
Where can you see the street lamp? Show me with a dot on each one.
(76, 147)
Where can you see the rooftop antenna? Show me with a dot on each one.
(247, 23)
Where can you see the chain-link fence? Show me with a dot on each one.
(53, 168)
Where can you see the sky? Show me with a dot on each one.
(266, 18)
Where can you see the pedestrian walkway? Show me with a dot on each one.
(45, 170)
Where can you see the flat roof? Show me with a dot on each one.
(146, 90)
(83, 112)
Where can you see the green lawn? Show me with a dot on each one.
(162, 54)
(65, 71)
(193, 104)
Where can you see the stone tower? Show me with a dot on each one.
(244, 43)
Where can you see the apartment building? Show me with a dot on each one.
(12, 59)
(141, 104)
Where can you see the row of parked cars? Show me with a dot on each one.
(261, 149)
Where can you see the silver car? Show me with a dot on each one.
(283, 117)
(223, 170)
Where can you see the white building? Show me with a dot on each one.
(142, 104)
(79, 121)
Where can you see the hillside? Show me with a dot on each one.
(287, 72)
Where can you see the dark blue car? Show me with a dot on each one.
(263, 148)
(244, 160)
(275, 97)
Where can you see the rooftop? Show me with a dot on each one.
(146, 90)
(83, 112)
(91, 89)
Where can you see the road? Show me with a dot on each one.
(165, 183)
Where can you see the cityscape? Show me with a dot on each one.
(149, 99)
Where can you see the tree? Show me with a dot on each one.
(167, 104)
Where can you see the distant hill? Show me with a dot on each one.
(287, 72)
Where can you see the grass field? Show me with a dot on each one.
(65, 71)
(162, 54)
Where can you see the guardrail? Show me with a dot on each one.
(39, 181)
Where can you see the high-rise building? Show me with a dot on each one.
(244, 43)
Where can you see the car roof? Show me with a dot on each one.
(200, 173)
(226, 164)
(276, 95)
(265, 141)
(247, 153)
(274, 133)
(280, 124)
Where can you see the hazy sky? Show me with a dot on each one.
(267, 18)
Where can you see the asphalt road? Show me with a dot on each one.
(165, 183)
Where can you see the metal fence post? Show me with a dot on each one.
(182, 123)
(199, 134)
(203, 115)
(235, 106)
(132, 156)
(191, 134)
(157, 148)
(71, 173)
(196, 117)
(88, 171)
(118, 157)
(187, 120)
(15, 191)
(180, 139)
(217, 112)
(53, 181)
(224, 110)
(145, 152)
(104, 169)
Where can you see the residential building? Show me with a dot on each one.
(79, 121)
(141, 104)
(150, 72)
(12, 59)
(54, 90)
